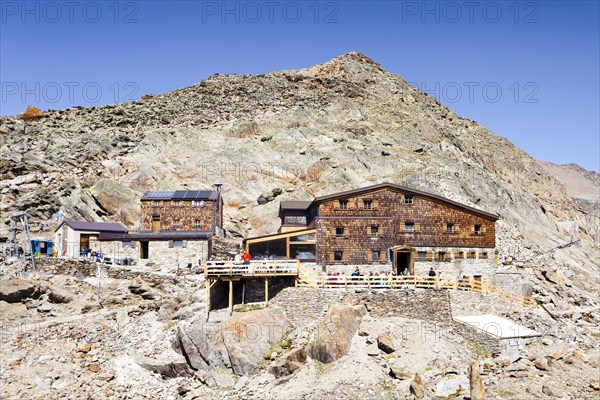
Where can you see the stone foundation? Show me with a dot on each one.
(160, 252)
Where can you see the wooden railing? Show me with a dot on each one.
(425, 282)
(258, 268)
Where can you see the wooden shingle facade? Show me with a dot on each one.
(181, 210)
(385, 224)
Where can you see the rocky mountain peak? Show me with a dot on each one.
(351, 65)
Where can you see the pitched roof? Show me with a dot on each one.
(180, 195)
(384, 185)
(94, 226)
(295, 204)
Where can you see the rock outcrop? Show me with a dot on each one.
(238, 344)
(16, 290)
(334, 334)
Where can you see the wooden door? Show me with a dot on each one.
(155, 225)
(84, 242)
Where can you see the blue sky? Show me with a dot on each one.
(528, 71)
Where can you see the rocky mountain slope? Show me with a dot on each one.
(301, 133)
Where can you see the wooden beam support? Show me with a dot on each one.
(266, 292)
(207, 286)
(230, 297)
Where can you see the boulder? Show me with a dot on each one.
(171, 366)
(117, 199)
(289, 363)
(475, 383)
(417, 388)
(239, 344)
(554, 276)
(386, 343)
(249, 336)
(399, 372)
(16, 290)
(335, 333)
(59, 295)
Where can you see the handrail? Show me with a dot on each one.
(231, 268)
(375, 282)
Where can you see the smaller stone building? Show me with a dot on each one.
(73, 237)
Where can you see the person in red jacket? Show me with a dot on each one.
(246, 258)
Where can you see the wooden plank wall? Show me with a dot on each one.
(391, 214)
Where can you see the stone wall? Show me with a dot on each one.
(477, 337)
(162, 253)
(302, 305)
(87, 268)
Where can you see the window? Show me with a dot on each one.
(339, 232)
(459, 256)
(375, 255)
(471, 255)
(128, 245)
(157, 204)
(177, 204)
(374, 231)
(408, 199)
(422, 256)
(178, 243)
(441, 256)
(338, 255)
(197, 224)
(409, 227)
(176, 223)
(477, 230)
(449, 228)
(367, 204)
(197, 203)
(343, 204)
(483, 255)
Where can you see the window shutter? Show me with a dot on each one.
(447, 256)
(346, 231)
(456, 228)
(337, 204)
(331, 257)
(429, 255)
(375, 204)
(472, 229)
(402, 227)
(345, 256)
(351, 204)
(184, 243)
(171, 244)
(360, 203)
(380, 230)
(370, 257)
(417, 227)
(368, 231)
(332, 231)
(382, 256)
(482, 229)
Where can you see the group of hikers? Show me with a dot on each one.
(375, 278)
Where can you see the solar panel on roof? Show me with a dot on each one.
(204, 194)
(191, 194)
(179, 194)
